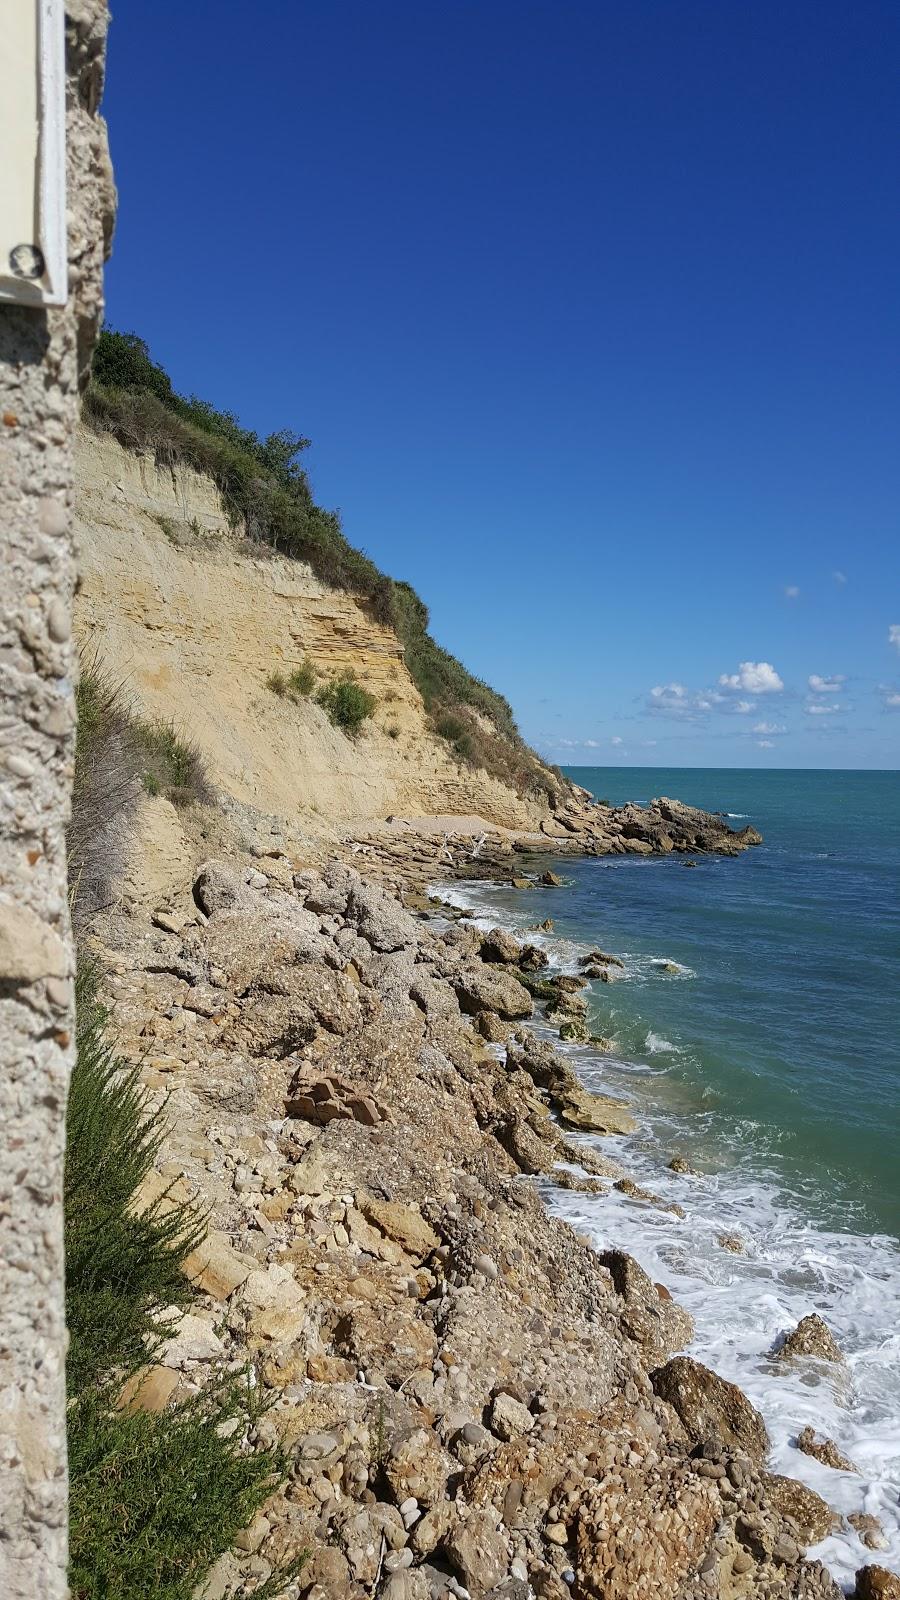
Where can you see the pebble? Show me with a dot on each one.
(519, 1569)
(486, 1266)
(556, 1532)
(396, 1560)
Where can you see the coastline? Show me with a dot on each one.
(753, 1263)
(465, 1381)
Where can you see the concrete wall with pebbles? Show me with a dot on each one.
(43, 360)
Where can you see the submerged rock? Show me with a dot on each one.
(824, 1450)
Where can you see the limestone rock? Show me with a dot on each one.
(500, 946)
(215, 1266)
(708, 1405)
(323, 1097)
(595, 1113)
(509, 1417)
(477, 1551)
(191, 1339)
(403, 1223)
(480, 988)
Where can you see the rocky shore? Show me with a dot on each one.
(473, 1401)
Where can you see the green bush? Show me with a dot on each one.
(302, 680)
(347, 703)
(155, 1498)
(277, 682)
(171, 765)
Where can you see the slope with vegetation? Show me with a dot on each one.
(267, 497)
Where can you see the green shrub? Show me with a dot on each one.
(392, 731)
(347, 703)
(302, 680)
(155, 1498)
(277, 682)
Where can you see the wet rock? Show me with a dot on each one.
(811, 1516)
(600, 958)
(491, 1027)
(731, 1242)
(869, 1529)
(707, 1404)
(824, 1450)
(532, 958)
(876, 1583)
(549, 880)
(574, 1031)
(679, 1164)
(813, 1338)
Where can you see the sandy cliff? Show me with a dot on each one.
(193, 620)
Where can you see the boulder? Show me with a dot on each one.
(481, 988)
(477, 1551)
(593, 1113)
(378, 918)
(500, 946)
(811, 1339)
(550, 880)
(647, 1312)
(215, 1266)
(869, 1528)
(402, 1223)
(707, 1405)
(876, 1583)
(812, 1517)
(509, 1417)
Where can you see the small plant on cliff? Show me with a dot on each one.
(347, 703)
(297, 685)
(171, 765)
(155, 1497)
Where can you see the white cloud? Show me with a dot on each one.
(840, 578)
(649, 744)
(770, 727)
(820, 685)
(672, 698)
(818, 709)
(744, 707)
(754, 677)
(894, 635)
(791, 591)
(765, 744)
(592, 744)
(616, 740)
(892, 700)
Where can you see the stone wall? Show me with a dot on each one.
(43, 358)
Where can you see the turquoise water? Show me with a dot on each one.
(784, 1041)
(755, 1029)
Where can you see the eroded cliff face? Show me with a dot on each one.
(193, 621)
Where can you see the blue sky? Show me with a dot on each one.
(591, 313)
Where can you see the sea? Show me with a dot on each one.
(755, 1032)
